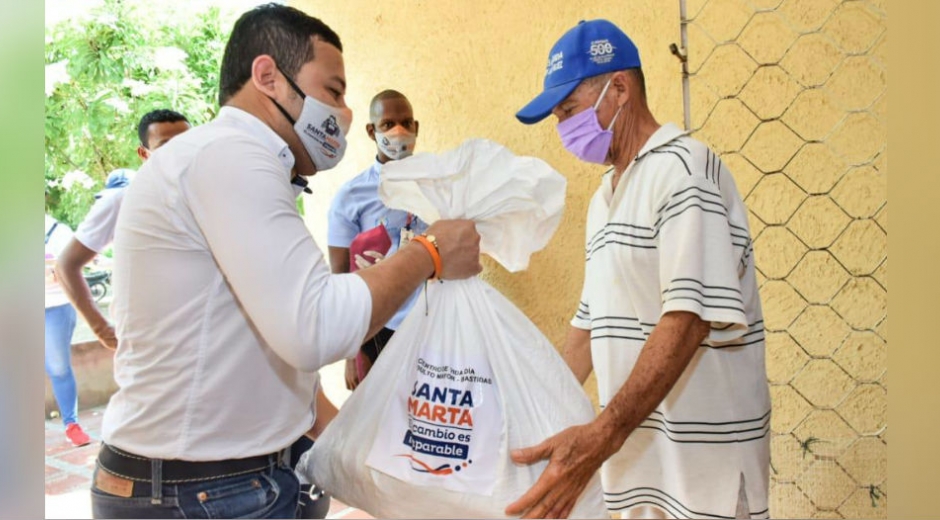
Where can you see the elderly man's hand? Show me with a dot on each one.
(574, 456)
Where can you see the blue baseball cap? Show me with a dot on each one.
(119, 178)
(589, 49)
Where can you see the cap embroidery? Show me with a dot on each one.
(555, 62)
(602, 51)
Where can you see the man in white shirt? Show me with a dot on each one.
(96, 231)
(224, 305)
(669, 318)
(356, 208)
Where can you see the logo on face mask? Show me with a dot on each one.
(396, 145)
(330, 146)
(330, 127)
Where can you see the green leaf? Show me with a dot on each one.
(115, 42)
(807, 445)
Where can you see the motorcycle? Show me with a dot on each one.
(98, 282)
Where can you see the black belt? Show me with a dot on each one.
(137, 468)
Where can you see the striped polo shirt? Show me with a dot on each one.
(674, 236)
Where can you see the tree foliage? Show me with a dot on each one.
(103, 73)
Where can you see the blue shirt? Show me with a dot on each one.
(357, 208)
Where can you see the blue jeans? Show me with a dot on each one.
(60, 324)
(270, 493)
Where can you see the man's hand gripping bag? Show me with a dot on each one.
(467, 377)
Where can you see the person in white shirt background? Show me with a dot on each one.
(356, 208)
(224, 305)
(96, 231)
(670, 318)
(60, 324)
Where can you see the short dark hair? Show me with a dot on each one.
(386, 94)
(161, 115)
(279, 31)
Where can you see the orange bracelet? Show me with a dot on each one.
(430, 243)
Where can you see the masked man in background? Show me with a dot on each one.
(356, 208)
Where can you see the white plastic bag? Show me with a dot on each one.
(516, 202)
(467, 377)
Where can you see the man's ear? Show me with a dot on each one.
(416, 128)
(622, 85)
(370, 129)
(143, 153)
(264, 74)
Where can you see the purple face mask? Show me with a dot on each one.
(583, 136)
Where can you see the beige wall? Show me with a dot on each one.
(790, 92)
(793, 94)
(467, 68)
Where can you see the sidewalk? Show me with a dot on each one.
(69, 469)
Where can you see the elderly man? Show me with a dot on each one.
(669, 318)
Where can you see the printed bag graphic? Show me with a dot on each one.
(431, 436)
(467, 377)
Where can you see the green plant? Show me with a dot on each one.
(807, 445)
(103, 73)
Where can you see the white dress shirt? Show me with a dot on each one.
(224, 306)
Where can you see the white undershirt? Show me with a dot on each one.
(224, 306)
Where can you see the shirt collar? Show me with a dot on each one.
(664, 135)
(258, 129)
(376, 168)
